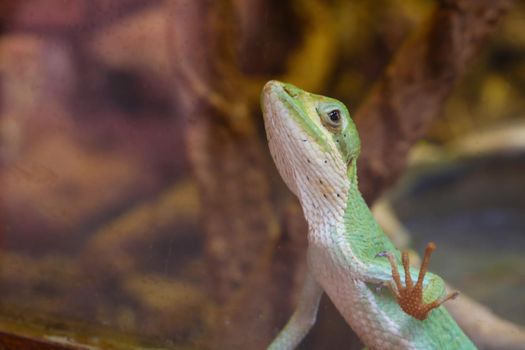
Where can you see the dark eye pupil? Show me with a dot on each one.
(334, 115)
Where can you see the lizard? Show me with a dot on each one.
(315, 146)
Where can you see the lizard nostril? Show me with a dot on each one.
(289, 92)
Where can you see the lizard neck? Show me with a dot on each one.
(342, 215)
(326, 201)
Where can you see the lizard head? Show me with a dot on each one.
(312, 139)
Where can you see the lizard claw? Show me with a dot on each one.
(410, 296)
(453, 295)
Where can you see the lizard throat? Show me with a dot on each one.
(325, 204)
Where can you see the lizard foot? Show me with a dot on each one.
(410, 297)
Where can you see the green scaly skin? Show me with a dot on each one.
(315, 152)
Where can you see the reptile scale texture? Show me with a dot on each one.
(315, 146)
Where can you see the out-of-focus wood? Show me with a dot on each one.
(416, 84)
(230, 166)
(485, 328)
(15, 342)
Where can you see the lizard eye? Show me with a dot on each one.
(331, 119)
(334, 115)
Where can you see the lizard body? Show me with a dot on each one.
(315, 146)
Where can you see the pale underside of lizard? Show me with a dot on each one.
(315, 146)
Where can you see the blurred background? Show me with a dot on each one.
(139, 207)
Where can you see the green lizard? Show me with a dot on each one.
(315, 146)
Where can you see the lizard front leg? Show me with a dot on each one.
(303, 317)
(415, 298)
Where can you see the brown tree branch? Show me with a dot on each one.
(231, 168)
(416, 84)
(225, 153)
(485, 328)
